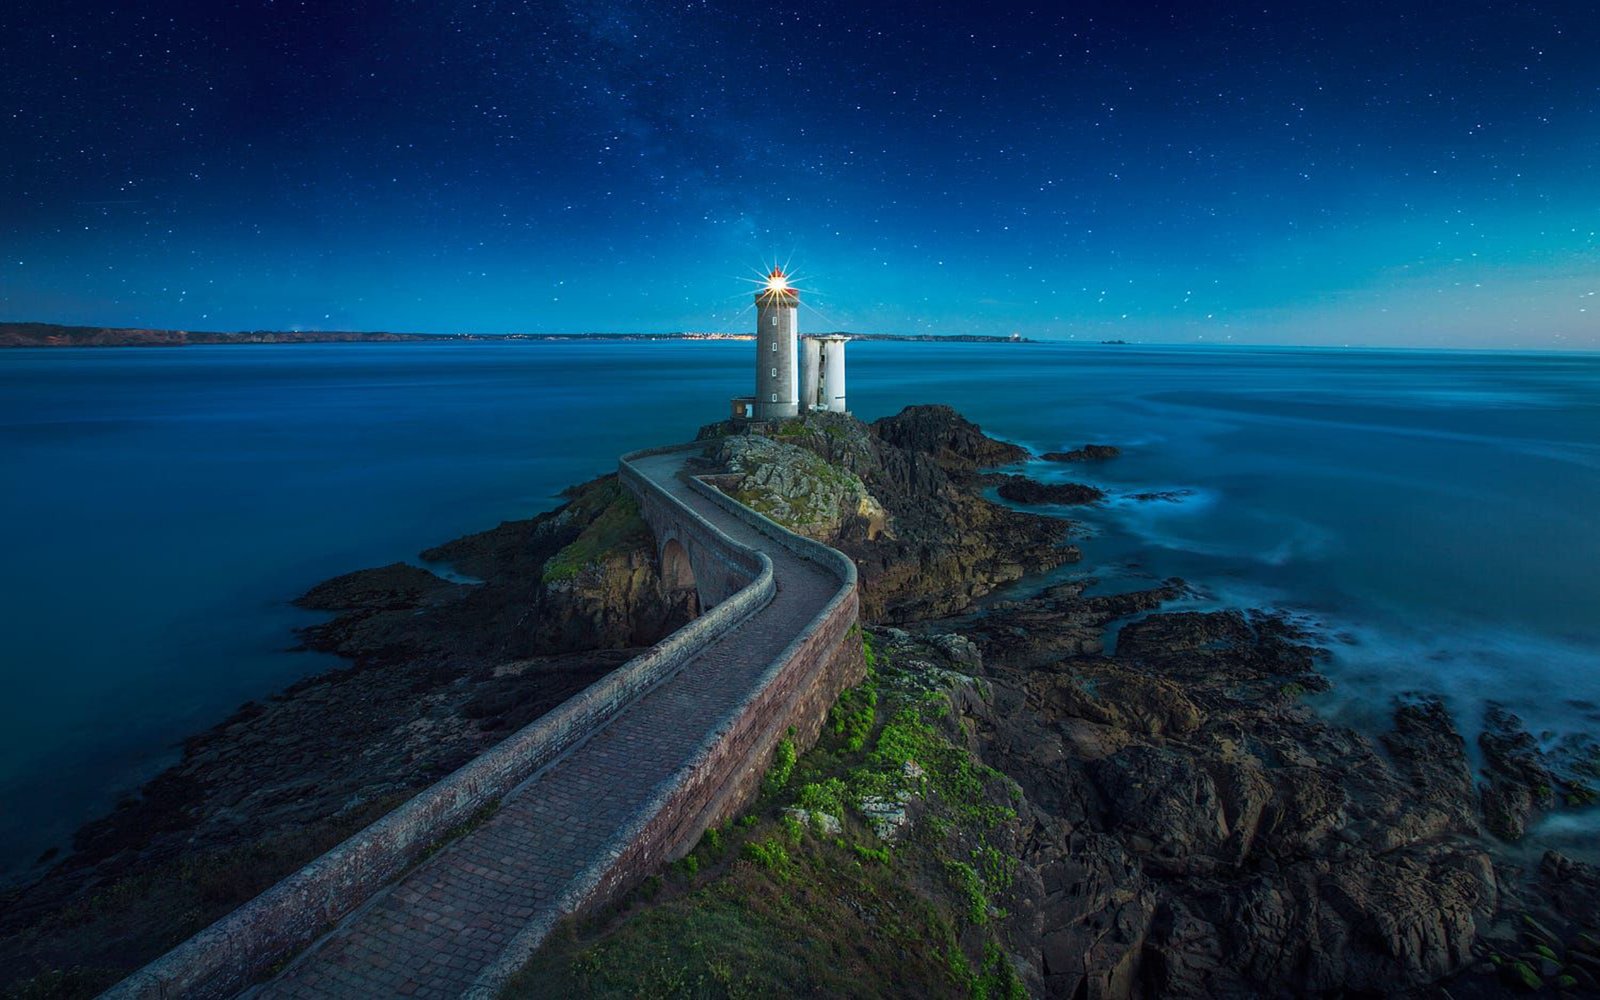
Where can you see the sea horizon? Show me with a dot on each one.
(470, 336)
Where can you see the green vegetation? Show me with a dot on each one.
(612, 524)
(826, 796)
(769, 854)
(1527, 970)
(772, 905)
(783, 758)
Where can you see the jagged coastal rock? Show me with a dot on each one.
(799, 489)
(900, 497)
(1223, 839)
(1021, 489)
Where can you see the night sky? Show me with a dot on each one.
(1415, 174)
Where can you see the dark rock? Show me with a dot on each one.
(1162, 496)
(1518, 784)
(1039, 633)
(900, 497)
(957, 444)
(1088, 453)
(1021, 489)
(1198, 832)
(1431, 755)
(393, 587)
(1572, 888)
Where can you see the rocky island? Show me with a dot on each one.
(1061, 793)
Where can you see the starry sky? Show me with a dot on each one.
(1397, 173)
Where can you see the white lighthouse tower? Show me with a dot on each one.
(777, 330)
(794, 377)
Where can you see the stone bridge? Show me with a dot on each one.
(587, 800)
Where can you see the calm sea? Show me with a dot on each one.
(1438, 513)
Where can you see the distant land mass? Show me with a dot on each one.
(56, 335)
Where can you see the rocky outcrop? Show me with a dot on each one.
(955, 443)
(901, 498)
(1021, 489)
(1088, 453)
(1517, 783)
(580, 577)
(1160, 496)
(799, 489)
(1194, 830)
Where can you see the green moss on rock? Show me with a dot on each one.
(768, 905)
(614, 525)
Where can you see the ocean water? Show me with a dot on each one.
(1436, 514)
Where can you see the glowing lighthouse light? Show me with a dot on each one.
(777, 281)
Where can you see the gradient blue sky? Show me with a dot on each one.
(1396, 174)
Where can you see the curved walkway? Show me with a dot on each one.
(464, 920)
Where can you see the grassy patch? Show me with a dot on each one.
(614, 524)
(783, 758)
(769, 905)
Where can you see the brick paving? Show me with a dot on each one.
(430, 934)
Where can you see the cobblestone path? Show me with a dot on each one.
(433, 932)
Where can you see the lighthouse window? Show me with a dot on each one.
(774, 347)
(774, 373)
(774, 319)
(774, 397)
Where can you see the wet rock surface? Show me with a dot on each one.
(1021, 489)
(1191, 828)
(1161, 496)
(1518, 786)
(1088, 453)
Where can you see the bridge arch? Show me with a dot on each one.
(677, 572)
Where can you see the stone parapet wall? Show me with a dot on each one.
(825, 556)
(721, 565)
(240, 947)
(794, 693)
(825, 658)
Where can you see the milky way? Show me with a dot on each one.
(1398, 173)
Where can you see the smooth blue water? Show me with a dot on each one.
(1439, 511)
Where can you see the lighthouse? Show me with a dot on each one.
(777, 333)
(789, 383)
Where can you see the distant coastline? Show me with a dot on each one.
(57, 335)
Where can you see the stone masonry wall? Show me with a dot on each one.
(721, 565)
(796, 691)
(236, 949)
